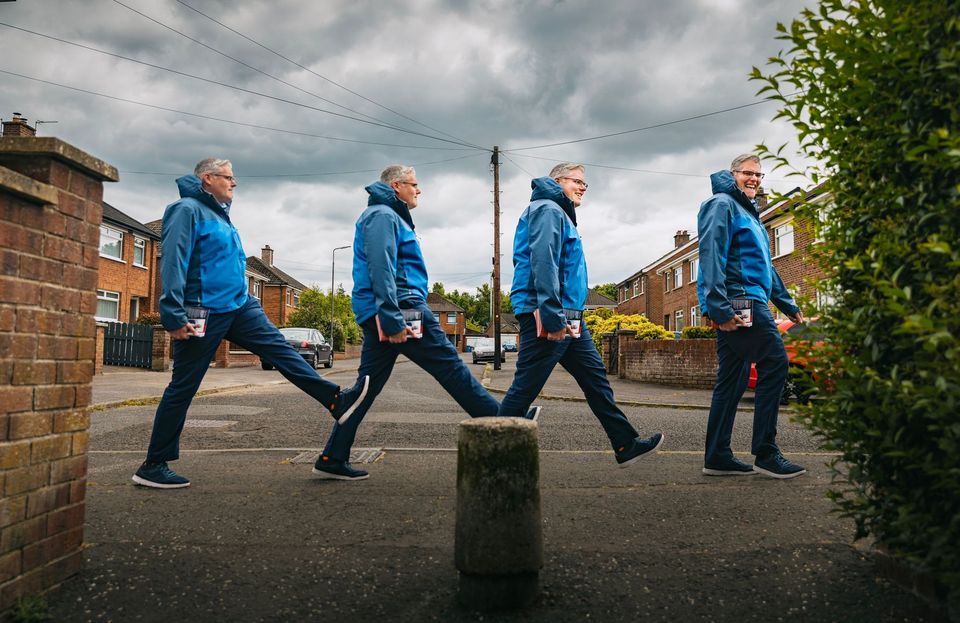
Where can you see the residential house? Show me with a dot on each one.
(595, 300)
(452, 320)
(279, 293)
(509, 332)
(127, 283)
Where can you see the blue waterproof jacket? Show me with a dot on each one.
(203, 262)
(735, 254)
(388, 265)
(549, 269)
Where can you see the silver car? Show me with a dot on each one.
(483, 351)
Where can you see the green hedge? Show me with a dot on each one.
(698, 333)
(873, 90)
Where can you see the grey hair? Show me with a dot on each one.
(396, 173)
(210, 165)
(563, 168)
(735, 165)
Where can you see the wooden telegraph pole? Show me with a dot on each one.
(495, 161)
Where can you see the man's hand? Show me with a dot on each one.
(731, 325)
(184, 332)
(559, 336)
(797, 318)
(400, 338)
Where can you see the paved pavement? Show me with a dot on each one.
(258, 539)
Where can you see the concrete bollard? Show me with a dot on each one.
(499, 538)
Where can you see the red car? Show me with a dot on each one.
(793, 333)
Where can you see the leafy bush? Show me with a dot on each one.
(880, 83)
(602, 321)
(698, 333)
(151, 318)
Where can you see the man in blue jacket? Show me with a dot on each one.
(550, 278)
(203, 268)
(736, 274)
(389, 278)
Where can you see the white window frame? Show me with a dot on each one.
(781, 233)
(257, 289)
(452, 318)
(667, 276)
(643, 284)
(140, 244)
(678, 277)
(678, 320)
(694, 269)
(695, 316)
(116, 238)
(636, 288)
(106, 296)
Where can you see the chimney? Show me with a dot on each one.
(266, 254)
(18, 127)
(761, 199)
(680, 238)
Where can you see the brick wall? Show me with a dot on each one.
(684, 363)
(128, 279)
(50, 211)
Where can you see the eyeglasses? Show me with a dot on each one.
(414, 184)
(578, 182)
(229, 178)
(756, 174)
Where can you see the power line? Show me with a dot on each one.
(223, 84)
(240, 123)
(517, 165)
(333, 82)
(649, 127)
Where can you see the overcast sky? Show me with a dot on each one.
(514, 73)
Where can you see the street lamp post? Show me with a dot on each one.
(333, 264)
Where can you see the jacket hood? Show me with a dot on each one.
(381, 194)
(548, 188)
(723, 182)
(191, 187)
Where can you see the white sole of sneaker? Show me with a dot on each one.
(363, 394)
(328, 475)
(156, 485)
(724, 472)
(647, 453)
(767, 472)
(536, 414)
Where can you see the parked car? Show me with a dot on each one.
(483, 351)
(510, 347)
(311, 345)
(794, 335)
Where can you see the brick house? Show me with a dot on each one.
(665, 291)
(279, 293)
(595, 300)
(452, 320)
(509, 331)
(128, 279)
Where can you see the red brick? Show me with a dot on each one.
(29, 583)
(49, 448)
(27, 479)
(32, 217)
(64, 567)
(74, 371)
(71, 205)
(87, 347)
(91, 257)
(25, 425)
(10, 565)
(85, 187)
(66, 518)
(55, 223)
(54, 397)
(86, 302)
(55, 173)
(51, 548)
(18, 291)
(73, 468)
(41, 269)
(70, 421)
(8, 317)
(9, 263)
(78, 491)
(95, 210)
(4, 429)
(12, 236)
(89, 234)
(45, 500)
(84, 395)
(17, 346)
(80, 443)
(12, 510)
(14, 399)
(34, 372)
(56, 347)
(14, 454)
(10, 208)
(23, 532)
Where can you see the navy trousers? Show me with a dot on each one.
(248, 327)
(579, 357)
(736, 350)
(434, 353)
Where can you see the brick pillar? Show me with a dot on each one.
(98, 351)
(623, 336)
(161, 349)
(50, 210)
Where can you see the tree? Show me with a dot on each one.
(314, 312)
(609, 290)
(872, 87)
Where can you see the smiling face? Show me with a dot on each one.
(220, 184)
(408, 190)
(748, 176)
(573, 185)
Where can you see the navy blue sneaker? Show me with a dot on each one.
(159, 476)
(730, 466)
(532, 413)
(347, 400)
(325, 467)
(628, 455)
(776, 466)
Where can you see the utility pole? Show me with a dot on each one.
(333, 265)
(495, 161)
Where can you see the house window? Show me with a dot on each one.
(623, 294)
(134, 308)
(436, 316)
(289, 297)
(678, 320)
(783, 239)
(256, 289)
(452, 318)
(643, 284)
(296, 298)
(695, 316)
(678, 276)
(694, 269)
(139, 252)
(111, 243)
(636, 287)
(666, 281)
(823, 222)
(108, 305)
